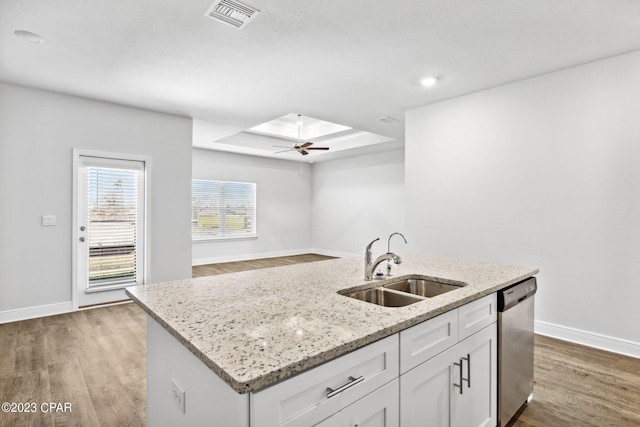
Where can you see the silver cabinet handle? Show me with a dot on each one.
(352, 381)
(459, 365)
(468, 379)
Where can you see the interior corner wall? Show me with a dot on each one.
(357, 199)
(543, 172)
(283, 205)
(38, 131)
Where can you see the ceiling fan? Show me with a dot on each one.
(300, 147)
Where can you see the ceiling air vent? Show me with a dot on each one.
(232, 12)
(389, 120)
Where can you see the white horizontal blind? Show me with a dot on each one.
(113, 214)
(222, 209)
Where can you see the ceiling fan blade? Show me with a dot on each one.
(285, 151)
(304, 152)
(283, 146)
(306, 144)
(317, 148)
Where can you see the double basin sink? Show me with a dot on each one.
(404, 292)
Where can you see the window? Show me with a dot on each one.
(222, 209)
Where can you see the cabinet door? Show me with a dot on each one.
(378, 409)
(425, 392)
(477, 405)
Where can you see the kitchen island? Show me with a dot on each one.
(257, 328)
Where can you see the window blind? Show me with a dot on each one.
(223, 209)
(113, 215)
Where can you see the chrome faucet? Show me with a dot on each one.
(370, 266)
(389, 241)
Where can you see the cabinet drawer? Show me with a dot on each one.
(302, 400)
(476, 315)
(378, 409)
(423, 341)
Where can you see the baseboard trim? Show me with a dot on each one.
(590, 339)
(34, 312)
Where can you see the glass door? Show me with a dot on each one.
(110, 196)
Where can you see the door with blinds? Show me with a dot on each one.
(109, 235)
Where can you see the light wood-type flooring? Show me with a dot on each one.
(93, 359)
(96, 360)
(576, 385)
(233, 267)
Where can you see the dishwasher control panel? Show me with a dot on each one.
(514, 294)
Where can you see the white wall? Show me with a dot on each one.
(544, 172)
(284, 205)
(38, 131)
(356, 200)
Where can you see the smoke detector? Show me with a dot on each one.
(232, 12)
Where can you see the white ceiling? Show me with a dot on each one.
(351, 62)
(261, 140)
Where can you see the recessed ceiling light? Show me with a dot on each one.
(429, 81)
(28, 36)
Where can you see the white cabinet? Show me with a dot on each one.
(207, 400)
(475, 404)
(442, 372)
(425, 340)
(457, 387)
(312, 396)
(476, 315)
(378, 409)
(426, 392)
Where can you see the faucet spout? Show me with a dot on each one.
(389, 241)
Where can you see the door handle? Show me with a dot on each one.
(468, 379)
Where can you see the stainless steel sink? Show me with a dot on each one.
(403, 292)
(423, 287)
(384, 297)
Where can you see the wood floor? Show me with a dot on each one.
(581, 386)
(233, 267)
(96, 360)
(93, 359)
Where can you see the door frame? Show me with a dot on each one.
(77, 153)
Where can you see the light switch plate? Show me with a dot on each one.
(178, 394)
(48, 220)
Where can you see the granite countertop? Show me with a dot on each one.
(256, 327)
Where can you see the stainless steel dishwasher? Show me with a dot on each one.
(515, 348)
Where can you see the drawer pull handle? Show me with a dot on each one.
(352, 381)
